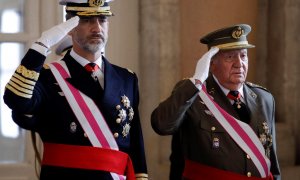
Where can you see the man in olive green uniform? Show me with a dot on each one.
(224, 126)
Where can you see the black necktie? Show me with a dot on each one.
(239, 106)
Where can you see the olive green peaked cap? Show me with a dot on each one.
(234, 37)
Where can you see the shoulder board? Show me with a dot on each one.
(129, 70)
(46, 66)
(256, 86)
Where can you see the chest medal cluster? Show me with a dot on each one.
(125, 111)
(266, 138)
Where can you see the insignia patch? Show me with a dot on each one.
(96, 3)
(73, 127)
(256, 86)
(211, 91)
(216, 142)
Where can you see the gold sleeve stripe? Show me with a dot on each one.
(17, 92)
(141, 175)
(28, 73)
(23, 79)
(141, 178)
(21, 83)
(18, 88)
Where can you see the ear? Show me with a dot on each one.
(212, 64)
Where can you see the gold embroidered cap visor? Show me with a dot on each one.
(229, 38)
(87, 7)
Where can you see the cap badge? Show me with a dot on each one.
(96, 3)
(237, 33)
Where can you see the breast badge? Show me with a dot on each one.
(125, 115)
(266, 138)
(73, 127)
(216, 143)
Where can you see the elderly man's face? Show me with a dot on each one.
(230, 67)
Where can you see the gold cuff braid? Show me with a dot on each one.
(141, 176)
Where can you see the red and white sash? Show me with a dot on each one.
(86, 111)
(241, 133)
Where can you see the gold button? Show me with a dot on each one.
(116, 135)
(249, 174)
(118, 120)
(85, 135)
(248, 157)
(213, 128)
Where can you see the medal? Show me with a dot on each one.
(125, 115)
(126, 129)
(122, 114)
(125, 101)
(266, 139)
(131, 114)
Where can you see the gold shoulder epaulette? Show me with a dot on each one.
(256, 85)
(46, 66)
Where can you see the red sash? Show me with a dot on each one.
(88, 114)
(197, 171)
(241, 133)
(87, 157)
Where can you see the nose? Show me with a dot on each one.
(96, 25)
(238, 61)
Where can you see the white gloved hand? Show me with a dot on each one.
(202, 67)
(58, 32)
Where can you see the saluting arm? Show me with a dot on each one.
(21, 90)
(169, 115)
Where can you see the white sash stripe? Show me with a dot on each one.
(264, 171)
(102, 124)
(88, 127)
(75, 107)
(99, 121)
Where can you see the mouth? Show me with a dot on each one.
(96, 37)
(238, 74)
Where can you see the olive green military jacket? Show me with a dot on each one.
(185, 113)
